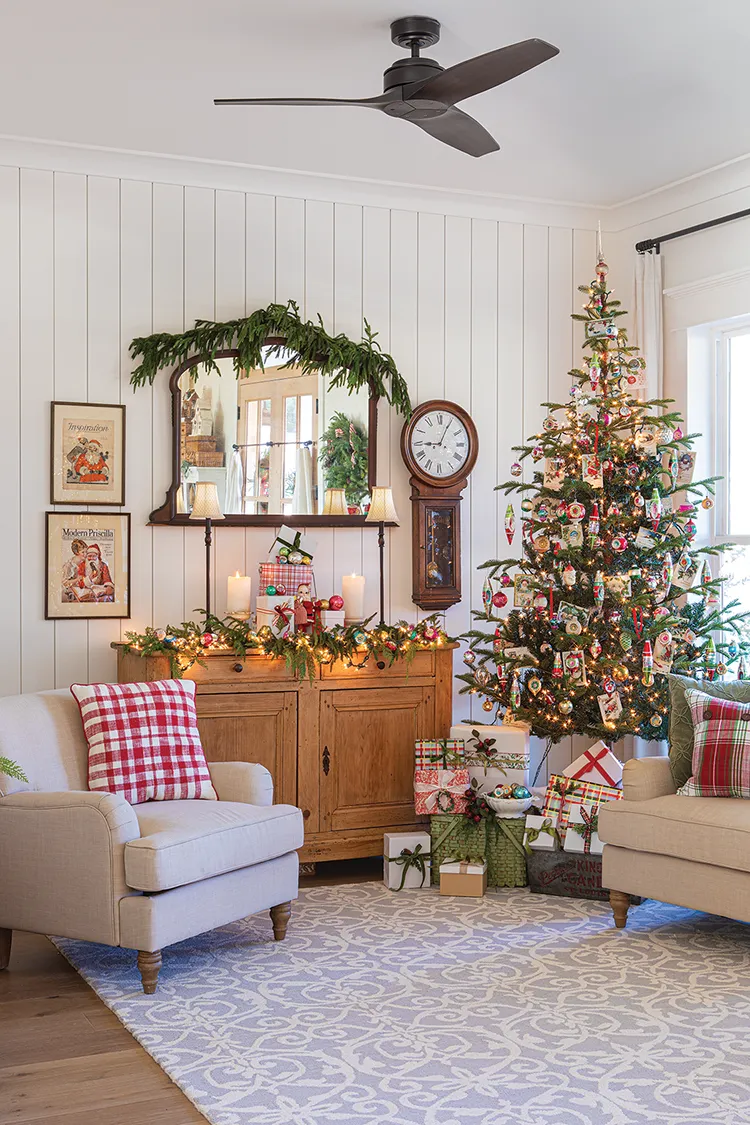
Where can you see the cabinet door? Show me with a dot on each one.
(367, 755)
(253, 727)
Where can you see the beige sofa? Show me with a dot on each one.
(88, 865)
(692, 851)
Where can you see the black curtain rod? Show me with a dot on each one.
(655, 243)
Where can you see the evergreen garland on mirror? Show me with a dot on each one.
(611, 592)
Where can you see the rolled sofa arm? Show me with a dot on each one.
(645, 778)
(246, 782)
(63, 867)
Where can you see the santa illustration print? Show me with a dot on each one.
(90, 463)
(86, 577)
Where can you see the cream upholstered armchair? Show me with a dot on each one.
(88, 865)
(691, 851)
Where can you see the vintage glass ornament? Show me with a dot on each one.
(619, 543)
(160, 634)
(486, 594)
(336, 602)
(537, 453)
(549, 424)
(620, 673)
(534, 685)
(707, 503)
(576, 510)
(271, 591)
(207, 639)
(741, 672)
(295, 558)
(625, 411)
(598, 588)
(545, 646)
(540, 601)
(542, 511)
(573, 627)
(568, 576)
(605, 418)
(732, 650)
(626, 642)
(516, 469)
(515, 693)
(595, 649)
(565, 706)
(499, 599)
(557, 668)
(482, 676)
(283, 552)
(614, 616)
(510, 523)
(469, 657)
(281, 590)
(721, 668)
(639, 501)
(654, 509)
(656, 720)
(648, 664)
(608, 685)
(541, 544)
(677, 433)
(487, 705)
(527, 505)
(521, 793)
(506, 580)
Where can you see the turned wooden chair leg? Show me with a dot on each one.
(280, 916)
(620, 903)
(148, 966)
(6, 938)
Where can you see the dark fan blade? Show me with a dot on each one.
(373, 103)
(457, 129)
(484, 72)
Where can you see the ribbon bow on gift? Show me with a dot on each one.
(441, 797)
(533, 834)
(464, 862)
(594, 761)
(441, 756)
(408, 858)
(588, 828)
(295, 544)
(281, 616)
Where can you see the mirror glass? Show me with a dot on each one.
(276, 441)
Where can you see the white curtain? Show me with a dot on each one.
(233, 498)
(648, 334)
(302, 504)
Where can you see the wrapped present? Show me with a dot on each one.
(583, 828)
(506, 858)
(292, 545)
(286, 575)
(330, 618)
(277, 613)
(541, 833)
(438, 753)
(440, 791)
(406, 860)
(466, 877)
(495, 755)
(455, 835)
(598, 763)
(559, 791)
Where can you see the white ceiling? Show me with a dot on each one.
(643, 92)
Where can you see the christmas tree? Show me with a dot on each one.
(611, 593)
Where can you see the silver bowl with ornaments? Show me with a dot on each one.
(509, 808)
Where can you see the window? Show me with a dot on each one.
(277, 416)
(732, 445)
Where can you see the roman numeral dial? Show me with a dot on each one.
(439, 443)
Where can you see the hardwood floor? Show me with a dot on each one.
(65, 1059)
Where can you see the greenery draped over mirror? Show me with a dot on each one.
(343, 362)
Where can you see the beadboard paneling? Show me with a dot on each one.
(473, 310)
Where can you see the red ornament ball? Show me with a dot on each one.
(280, 590)
(336, 601)
(499, 599)
(207, 639)
(506, 580)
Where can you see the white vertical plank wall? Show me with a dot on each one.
(472, 310)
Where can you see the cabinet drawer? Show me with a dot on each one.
(422, 665)
(238, 669)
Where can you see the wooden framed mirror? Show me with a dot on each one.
(281, 445)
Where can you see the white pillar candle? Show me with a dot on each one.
(239, 587)
(353, 592)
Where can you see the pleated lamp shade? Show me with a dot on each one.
(206, 502)
(335, 502)
(382, 508)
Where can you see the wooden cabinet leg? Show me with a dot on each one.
(6, 937)
(148, 966)
(619, 902)
(280, 916)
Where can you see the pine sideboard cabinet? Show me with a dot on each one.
(340, 747)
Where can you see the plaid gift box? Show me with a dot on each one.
(291, 577)
(583, 828)
(598, 763)
(438, 753)
(560, 789)
(440, 791)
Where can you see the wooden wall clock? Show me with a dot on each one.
(439, 446)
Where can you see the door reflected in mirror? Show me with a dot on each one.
(275, 441)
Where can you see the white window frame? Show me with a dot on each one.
(721, 383)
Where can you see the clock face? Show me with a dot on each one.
(439, 444)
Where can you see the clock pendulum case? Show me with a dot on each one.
(439, 446)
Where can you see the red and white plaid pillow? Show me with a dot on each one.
(143, 740)
(721, 747)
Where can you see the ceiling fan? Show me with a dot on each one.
(422, 92)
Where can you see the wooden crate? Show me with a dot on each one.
(567, 874)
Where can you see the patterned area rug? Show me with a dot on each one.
(412, 1009)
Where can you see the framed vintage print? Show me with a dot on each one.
(88, 565)
(87, 453)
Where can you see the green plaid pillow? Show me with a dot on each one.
(721, 754)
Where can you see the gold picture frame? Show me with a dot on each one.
(87, 453)
(88, 565)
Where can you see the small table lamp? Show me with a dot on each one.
(335, 502)
(382, 511)
(206, 507)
